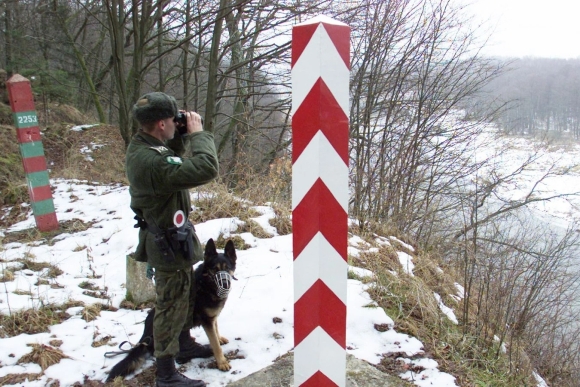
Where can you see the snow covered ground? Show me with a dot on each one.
(258, 318)
(262, 295)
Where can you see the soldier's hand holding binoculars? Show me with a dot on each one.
(188, 122)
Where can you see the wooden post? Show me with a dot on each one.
(320, 129)
(32, 151)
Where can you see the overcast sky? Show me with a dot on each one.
(542, 28)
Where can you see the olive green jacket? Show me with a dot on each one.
(160, 176)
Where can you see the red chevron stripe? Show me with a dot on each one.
(320, 307)
(340, 36)
(320, 111)
(301, 36)
(318, 380)
(319, 211)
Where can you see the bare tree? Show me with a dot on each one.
(63, 21)
(413, 66)
(9, 34)
(521, 289)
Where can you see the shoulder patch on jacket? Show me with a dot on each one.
(161, 149)
(174, 160)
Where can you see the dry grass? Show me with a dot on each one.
(53, 272)
(91, 312)
(239, 242)
(33, 234)
(34, 266)
(18, 379)
(33, 321)
(58, 113)
(20, 292)
(282, 220)
(43, 355)
(385, 259)
(13, 186)
(50, 271)
(370, 230)
(272, 187)
(101, 294)
(102, 158)
(438, 280)
(407, 297)
(254, 228)
(215, 202)
(127, 304)
(145, 378)
(88, 285)
(103, 341)
(7, 276)
(410, 302)
(6, 118)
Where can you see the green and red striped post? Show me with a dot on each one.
(32, 151)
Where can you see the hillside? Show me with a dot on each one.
(63, 299)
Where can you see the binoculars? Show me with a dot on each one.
(181, 122)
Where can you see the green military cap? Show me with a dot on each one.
(154, 106)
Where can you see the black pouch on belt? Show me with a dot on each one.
(164, 247)
(184, 236)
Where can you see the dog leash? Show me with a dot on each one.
(121, 351)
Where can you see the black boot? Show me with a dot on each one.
(167, 375)
(189, 349)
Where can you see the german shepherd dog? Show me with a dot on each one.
(212, 285)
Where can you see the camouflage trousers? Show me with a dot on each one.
(173, 309)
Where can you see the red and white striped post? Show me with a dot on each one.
(320, 78)
(32, 151)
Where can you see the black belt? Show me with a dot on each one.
(170, 240)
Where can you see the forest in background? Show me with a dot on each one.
(416, 113)
(537, 96)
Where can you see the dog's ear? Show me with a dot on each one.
(210, 250)
(230, 251)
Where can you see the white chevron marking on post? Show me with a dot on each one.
(320, 73)
(321, 19)
(319, 352)
(311, 66)
(331, 169)
(331, 268)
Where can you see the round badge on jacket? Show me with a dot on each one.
(179, 218)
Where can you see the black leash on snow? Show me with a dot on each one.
(121, 351)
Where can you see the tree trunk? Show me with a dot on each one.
(85, 71)
(212, 83)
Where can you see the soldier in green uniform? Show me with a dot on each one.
(162, 166)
